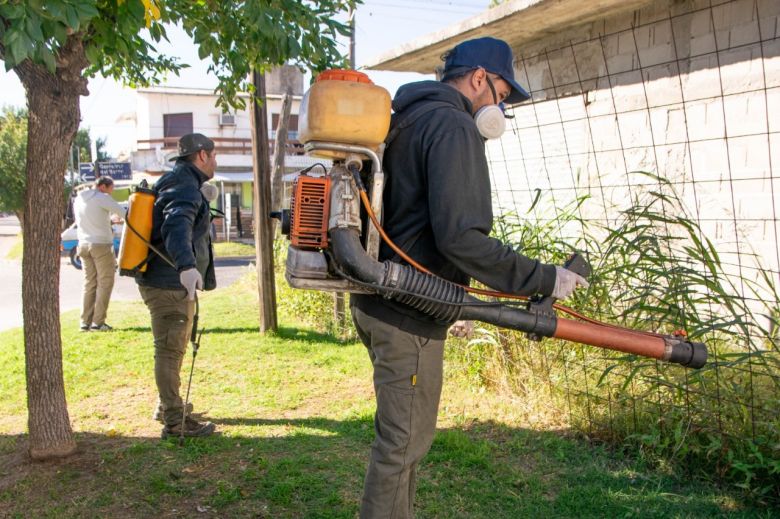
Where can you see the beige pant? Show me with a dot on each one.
(172, 315)
(99, 266)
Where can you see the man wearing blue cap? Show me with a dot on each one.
(437, 207)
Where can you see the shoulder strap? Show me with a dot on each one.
(408, 118)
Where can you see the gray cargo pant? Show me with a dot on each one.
(172, 314)
(407, 383)
(99, 268)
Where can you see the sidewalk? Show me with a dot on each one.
(9, 225)
(9, 230)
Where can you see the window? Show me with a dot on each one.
(292, 126)
(176, 125)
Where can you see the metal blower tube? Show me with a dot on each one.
(445, 301)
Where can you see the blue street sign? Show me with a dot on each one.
(86, 171)
(115, 170)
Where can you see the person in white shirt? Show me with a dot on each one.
(93, 208)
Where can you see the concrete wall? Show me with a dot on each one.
(686, 89)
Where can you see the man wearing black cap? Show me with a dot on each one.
(437, 207)
(180, 230)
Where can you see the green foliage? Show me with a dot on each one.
(119, 36)
(655, 269)
(83, 143)
(13, 158)
(232, 248)
(313, 307)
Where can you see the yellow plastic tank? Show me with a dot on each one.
(134, 249)
(344, 106)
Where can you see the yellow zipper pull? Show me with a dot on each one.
(414, 379)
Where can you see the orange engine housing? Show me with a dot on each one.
(309, 212)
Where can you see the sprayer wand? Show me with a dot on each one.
(195, 342)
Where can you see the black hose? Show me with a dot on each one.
(429, 294)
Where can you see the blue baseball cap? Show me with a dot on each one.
(493, 55)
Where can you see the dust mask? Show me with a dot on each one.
(490, 121)
(209, 191)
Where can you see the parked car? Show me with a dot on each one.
(70, 243)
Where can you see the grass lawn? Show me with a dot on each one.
(225, 249)
(295, 415)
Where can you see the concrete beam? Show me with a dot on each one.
(516, 22)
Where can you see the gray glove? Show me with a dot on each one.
(191, 280)
(567, 282)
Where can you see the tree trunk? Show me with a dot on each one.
(53, 104)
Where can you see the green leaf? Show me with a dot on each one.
(87, 10)
(47, 56)
(11, 11)
(21, 48)
(33, 26)
(72, 17)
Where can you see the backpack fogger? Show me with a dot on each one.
(345, 117)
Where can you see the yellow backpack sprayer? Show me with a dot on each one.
(346, 118)
(134, 247)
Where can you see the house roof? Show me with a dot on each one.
(516, 22)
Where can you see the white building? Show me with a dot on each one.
(163, 114)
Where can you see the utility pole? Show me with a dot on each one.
(339, 304)
(280, 144)
(352, 37)
(264, 240)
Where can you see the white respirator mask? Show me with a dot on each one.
(490, 118)
(490, 121)
(209, 191)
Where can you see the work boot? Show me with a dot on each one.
(192, 429)
(159, 414)
(102, 328)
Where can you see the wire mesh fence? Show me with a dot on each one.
(655, 147)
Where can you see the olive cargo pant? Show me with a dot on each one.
(407, 383)
(172, 315)
(99, 268)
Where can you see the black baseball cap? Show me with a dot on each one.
(493, 55)
(191, 143)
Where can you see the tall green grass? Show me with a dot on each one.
(653, 269)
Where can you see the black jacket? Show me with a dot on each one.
(181, 221)
(438, 208)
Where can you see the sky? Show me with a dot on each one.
(380, 26)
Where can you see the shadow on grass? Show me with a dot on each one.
(314, 467)
(307, 335)
(284, 332)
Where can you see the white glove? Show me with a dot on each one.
(567, 282)
(462, 329)
(191, 279)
